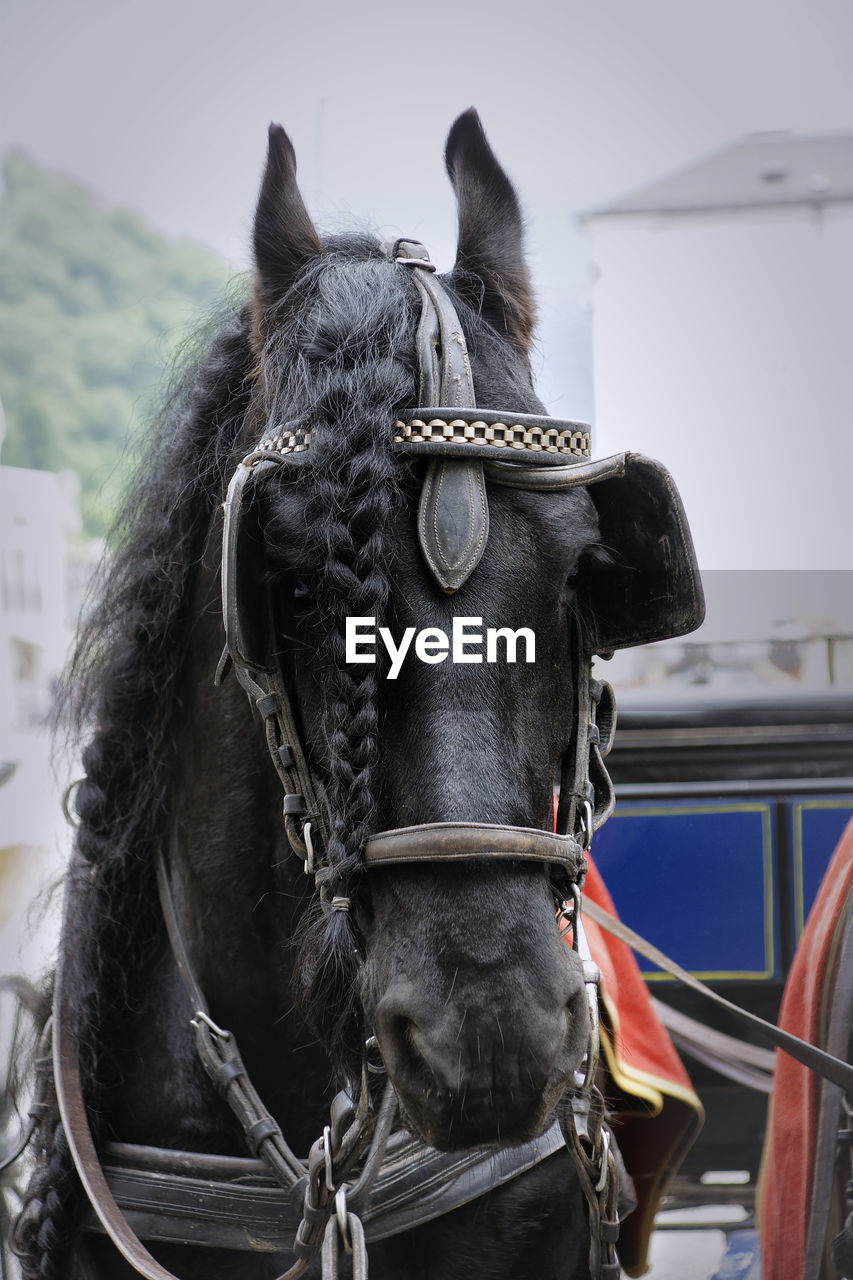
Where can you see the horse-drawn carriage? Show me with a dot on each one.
(355, 871)
(759, 787)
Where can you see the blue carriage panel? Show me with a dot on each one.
(817, 824)
(698, 880)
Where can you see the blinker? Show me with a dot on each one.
(244, 606)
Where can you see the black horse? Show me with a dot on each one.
(451, 967)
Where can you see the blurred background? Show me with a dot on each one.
(687, 177)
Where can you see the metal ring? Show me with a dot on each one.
(70, 818)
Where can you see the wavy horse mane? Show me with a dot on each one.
(119, 688)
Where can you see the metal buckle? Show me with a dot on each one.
(201, 1016)
(423, 263)
(605, 1154)
(576, 916)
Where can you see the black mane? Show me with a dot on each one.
(119, 693)
(121, 684)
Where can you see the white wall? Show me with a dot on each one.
(724, 347)
(37, 511)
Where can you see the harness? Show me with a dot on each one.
(361, 1175)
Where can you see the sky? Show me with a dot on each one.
(164, 105)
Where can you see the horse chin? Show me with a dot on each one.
(480, 1120)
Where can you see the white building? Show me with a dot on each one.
(35, 511)
(38, 511)
(723, 345)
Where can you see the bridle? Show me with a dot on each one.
(465, 446)
(453, 525)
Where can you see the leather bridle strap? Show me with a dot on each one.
(219, 1055)
(823, 1064)
(75, 1122)
(453, 513)
(463, 841)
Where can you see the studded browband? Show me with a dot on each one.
(477, 431)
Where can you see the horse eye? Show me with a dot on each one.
(301, 590)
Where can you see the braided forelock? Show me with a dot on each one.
(348, 359)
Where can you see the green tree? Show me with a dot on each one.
(93, 305)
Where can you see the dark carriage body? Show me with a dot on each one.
(727, 814)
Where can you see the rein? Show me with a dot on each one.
(823, 1064)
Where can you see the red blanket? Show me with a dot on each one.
(656, 1113)
(788, 1160)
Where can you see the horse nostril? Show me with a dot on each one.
(396, 1027)
(403, 1030)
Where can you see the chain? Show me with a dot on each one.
(588, 1141)
(587, 1137)
(331, 1163)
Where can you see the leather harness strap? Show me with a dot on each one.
(218, 1201)
(453, 513)
(75, 1122)
(837, 1071)
(460, 841)
(219, 1055)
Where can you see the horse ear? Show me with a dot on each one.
(284, 235)
(490, 269)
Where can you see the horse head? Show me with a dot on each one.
(434, 929)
